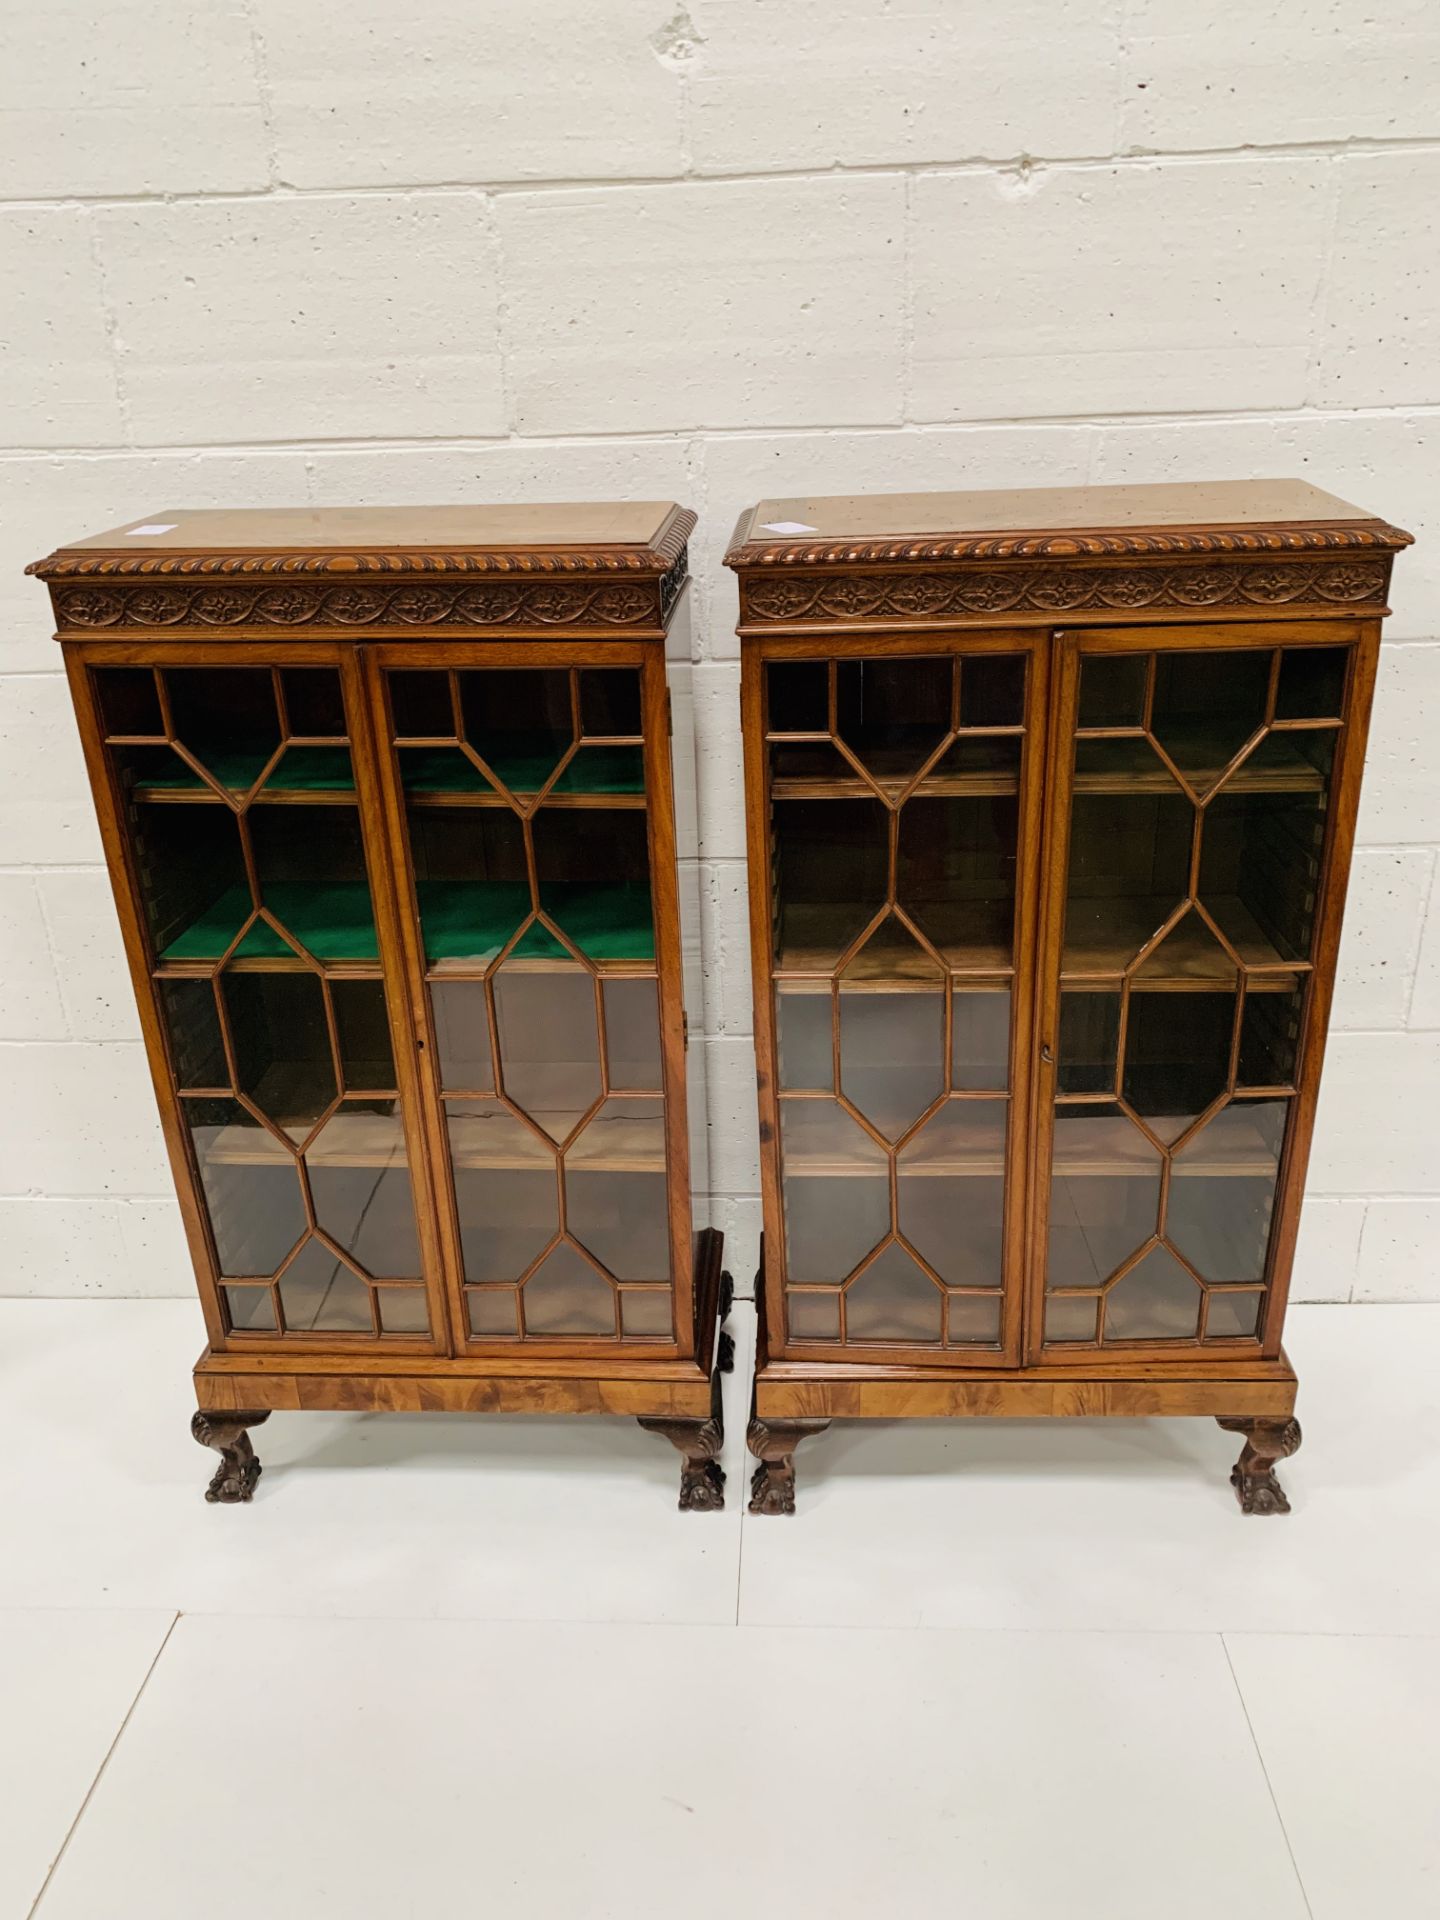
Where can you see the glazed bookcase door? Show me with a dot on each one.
(1203, 801)
(241, 795)
(893, 798)
(529, 792)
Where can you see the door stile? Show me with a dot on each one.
(407, 1034)
(1051, 871)
(410, 954)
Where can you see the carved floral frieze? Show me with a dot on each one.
(365, 603)
(1059, 589)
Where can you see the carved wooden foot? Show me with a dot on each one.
(772, 1485)
(235, 1477)
(702, 1478)
(1253, 1475)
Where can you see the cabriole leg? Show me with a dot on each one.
(234, 1479)
(1253, 1475)
(773, 1442)
(702, 1478)
(700, 1444)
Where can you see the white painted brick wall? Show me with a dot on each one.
(727, 304)
(258, 253)
(1062, 290)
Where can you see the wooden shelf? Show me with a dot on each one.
(349, 1139)
(487, 797)
(1232, 1146)
(813, 935)
(439, 777)
(498, 1142)
(967, 1139)
(1276, 766)
(811, 983)
(1111, 932)
(964, 785)
(812, 770)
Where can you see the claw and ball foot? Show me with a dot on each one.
(699, 1443)
(1253, 1475)
(234, 1479)
(772, 1485)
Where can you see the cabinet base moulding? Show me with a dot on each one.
(1033, 1395)
(789, 1409)
(456, 1390)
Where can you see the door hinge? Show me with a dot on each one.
(685, 1030)
(669, 715)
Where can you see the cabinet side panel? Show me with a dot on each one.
(667, 895)
(1360, 697)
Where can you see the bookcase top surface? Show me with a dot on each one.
(1195, 516)
(544, 536)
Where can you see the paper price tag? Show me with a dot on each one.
(787, 526)
(168, 526)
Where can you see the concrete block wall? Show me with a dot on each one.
(260, 252)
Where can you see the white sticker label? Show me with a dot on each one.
(787, 526)
(169, 526)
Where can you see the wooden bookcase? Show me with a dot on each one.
(1051, 800)
(388, 807)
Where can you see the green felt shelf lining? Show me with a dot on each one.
(334, 922)
(301, 770)
(464, 921)
(598, 770)
(427, 770)
(460, 920)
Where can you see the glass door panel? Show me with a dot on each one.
(239, 803)
(894, 789)
(528, 832)
(1200, 802)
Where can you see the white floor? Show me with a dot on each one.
(456, 1665)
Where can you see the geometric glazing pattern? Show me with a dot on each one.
(525, 796)
(241, 805)
(1199, 816)
(526, 809)
(894, 789)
